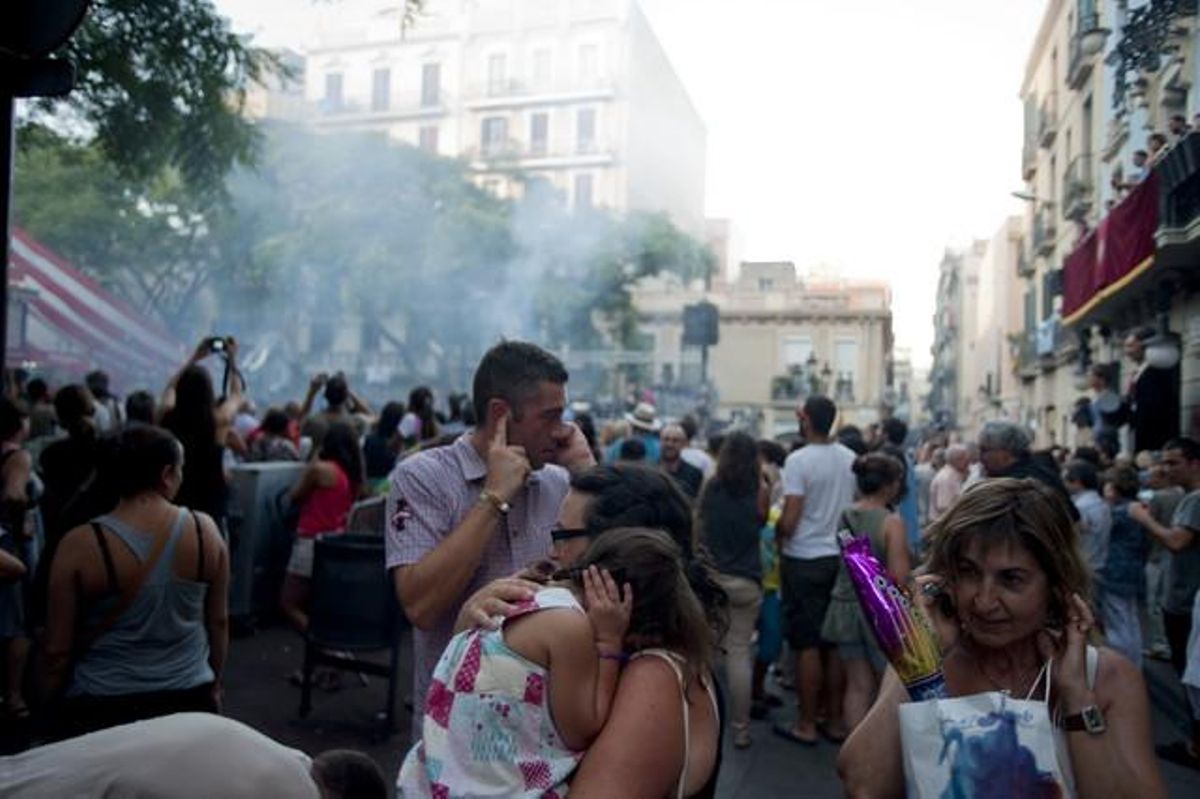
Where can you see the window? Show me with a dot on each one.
(796, 351)
(381, 89)
(431, 85)
(542, 73)
(333, 91)
(585, 130)
(493, 135)
(583, 193)
(589, 64)
(846, 359)
(497, 74)
(428, 138)
(539, 128)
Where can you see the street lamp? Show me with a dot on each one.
(1030, 197)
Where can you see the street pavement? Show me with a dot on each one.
(259, 693)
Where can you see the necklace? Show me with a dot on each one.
(1026, 681)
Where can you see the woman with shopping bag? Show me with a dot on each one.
(1031, 708)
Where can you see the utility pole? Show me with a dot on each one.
(29, 32)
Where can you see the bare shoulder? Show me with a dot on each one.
(76, 548)
(20, 459)
(649, 672)
(640, 749)
(209, 530)
(1117, 679)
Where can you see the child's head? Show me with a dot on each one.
(666, 612)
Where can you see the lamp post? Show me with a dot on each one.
(29, 32)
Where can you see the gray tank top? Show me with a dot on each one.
(159, 643)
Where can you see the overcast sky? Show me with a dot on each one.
(858, 135)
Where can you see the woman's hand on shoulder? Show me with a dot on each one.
(497, 600)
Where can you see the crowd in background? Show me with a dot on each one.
(121, 506)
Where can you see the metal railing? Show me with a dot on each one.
(1048, 120)
(1086, 44)
(1045, 234)
(520, 89)
(1025, 264)
(1078, 187)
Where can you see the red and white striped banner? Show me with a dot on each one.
(85, 324)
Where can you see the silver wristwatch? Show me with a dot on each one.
(1089, 720)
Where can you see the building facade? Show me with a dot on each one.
(782, 337)
(1111, 249)
(576, 95)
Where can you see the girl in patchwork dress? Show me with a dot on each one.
(511, 711)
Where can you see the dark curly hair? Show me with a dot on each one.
(631, 495)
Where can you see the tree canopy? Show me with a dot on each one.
(160, 86)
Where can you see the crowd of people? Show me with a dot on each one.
(593, 605)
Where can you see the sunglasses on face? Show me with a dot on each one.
(567, 533)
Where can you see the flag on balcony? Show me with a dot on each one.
(1120, 248)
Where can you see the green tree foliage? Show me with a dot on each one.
(147, 241)
(349, 226)
(160, 86)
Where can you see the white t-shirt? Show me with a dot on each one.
(700, 459)
(822, 474)
(183, 755)
(410, 426)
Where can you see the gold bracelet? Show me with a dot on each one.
(488, 498)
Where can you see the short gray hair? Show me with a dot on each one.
(1009, 436)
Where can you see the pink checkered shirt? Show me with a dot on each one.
(430, 494)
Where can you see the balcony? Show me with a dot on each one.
(1048, 120)
(1078, 188)
(1045, 234)
(1029, 150)
(1052, 344)
(1086, 45)
(1029, 160)
(516, 93)
(1026, 268)
(1025, 355)
(540, 153)
(1178, 237)
(404, 106)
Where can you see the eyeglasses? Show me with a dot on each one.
(567, 533)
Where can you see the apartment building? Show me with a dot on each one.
(1110, 250)
(782, 337)
(574, 95)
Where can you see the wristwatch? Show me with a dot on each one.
(1089, 720)
(495, 501)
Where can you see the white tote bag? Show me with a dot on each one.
(983, 746)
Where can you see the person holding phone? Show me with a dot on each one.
(192, 410)
(1004, 591)
(483, 507)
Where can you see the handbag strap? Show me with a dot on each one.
(1044, 674)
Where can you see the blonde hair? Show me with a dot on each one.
(1025, 512)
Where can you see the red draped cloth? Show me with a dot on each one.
(1122, 242)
